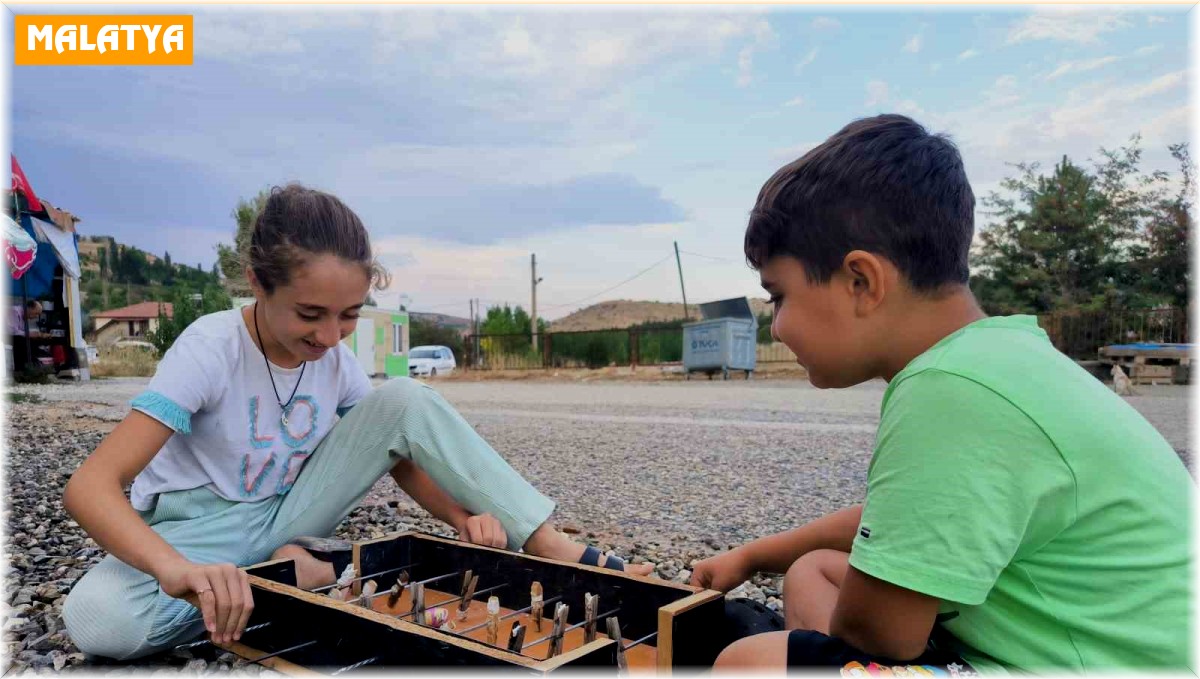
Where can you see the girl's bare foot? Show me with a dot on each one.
(552, 544)
(311, 572)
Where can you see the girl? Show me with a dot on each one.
(218, 449)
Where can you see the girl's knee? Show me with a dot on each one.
(104, 621)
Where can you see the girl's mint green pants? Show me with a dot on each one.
(119, 612)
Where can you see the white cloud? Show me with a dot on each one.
(968, 54)
(808, 59)
(441, 276)
(1147, 50)
(604, 52)
(1076, 123)
(1080, 66)
(515, 42)
(790, 153)
(826, 24)
(913, 45)
(1068, 24)
(1155, 19)
(881, 96)
(1003, 92)
(877, 93)
(764, 38)
(909, 107)
(745, 66)
(795, 101)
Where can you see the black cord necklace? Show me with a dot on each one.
(283, 407)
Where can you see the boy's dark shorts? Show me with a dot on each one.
(812, 650)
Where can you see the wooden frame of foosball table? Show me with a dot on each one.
(674, 625)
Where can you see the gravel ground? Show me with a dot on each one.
(666, 472)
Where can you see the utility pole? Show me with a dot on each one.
(681, 288)
(534, 280)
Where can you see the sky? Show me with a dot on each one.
(468, 138)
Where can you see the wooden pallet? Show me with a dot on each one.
(683, 623)
(1144, 365)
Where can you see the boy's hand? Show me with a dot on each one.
(722, 572)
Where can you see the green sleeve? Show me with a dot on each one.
(961, 483)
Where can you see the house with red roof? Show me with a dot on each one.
(133, 321)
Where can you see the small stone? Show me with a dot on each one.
(42, 643)
(196, 665)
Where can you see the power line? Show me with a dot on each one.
(717, 259)
(643, 271)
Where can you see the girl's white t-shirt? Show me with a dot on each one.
(213, 390)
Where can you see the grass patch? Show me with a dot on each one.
(125, 362)
(21, 397)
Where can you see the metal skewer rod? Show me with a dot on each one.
(642, 640)
(506, 616)
(450, 601)
(568, 629)
(203, 642)
(356, 665)
(286, 650)
(372, 575)
(422, 582)
(182, 623)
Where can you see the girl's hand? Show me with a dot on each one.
(221, 591)
(483, 529)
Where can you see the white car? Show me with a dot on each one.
(431, 361)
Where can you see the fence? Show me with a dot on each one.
(590, 349)
(1077, 334)
(1080, 334)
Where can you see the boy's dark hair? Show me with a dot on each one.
(881, 184)
(297, 222)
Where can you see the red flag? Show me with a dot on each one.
(20, 183)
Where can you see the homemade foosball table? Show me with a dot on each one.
(419, 600)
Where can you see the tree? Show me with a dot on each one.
(1109, 238)
(422, 332)
(233, 259)
(1165, 268)
(506, 320)
(185, 310)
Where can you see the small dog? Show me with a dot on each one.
(1121, 382)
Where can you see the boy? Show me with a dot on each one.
(1011, 497)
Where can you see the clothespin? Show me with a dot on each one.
(465, 604)
(556, 633)
(614, 633)
(516, 638)
(347, 577)
(418, 601)
(590, 601)
(493, 621)
(368, 591)
(535, 604)
(394, 595)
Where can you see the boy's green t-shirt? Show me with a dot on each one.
(1048, 515)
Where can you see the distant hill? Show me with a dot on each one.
(89, 257)
(623, 313)
(441, 320)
